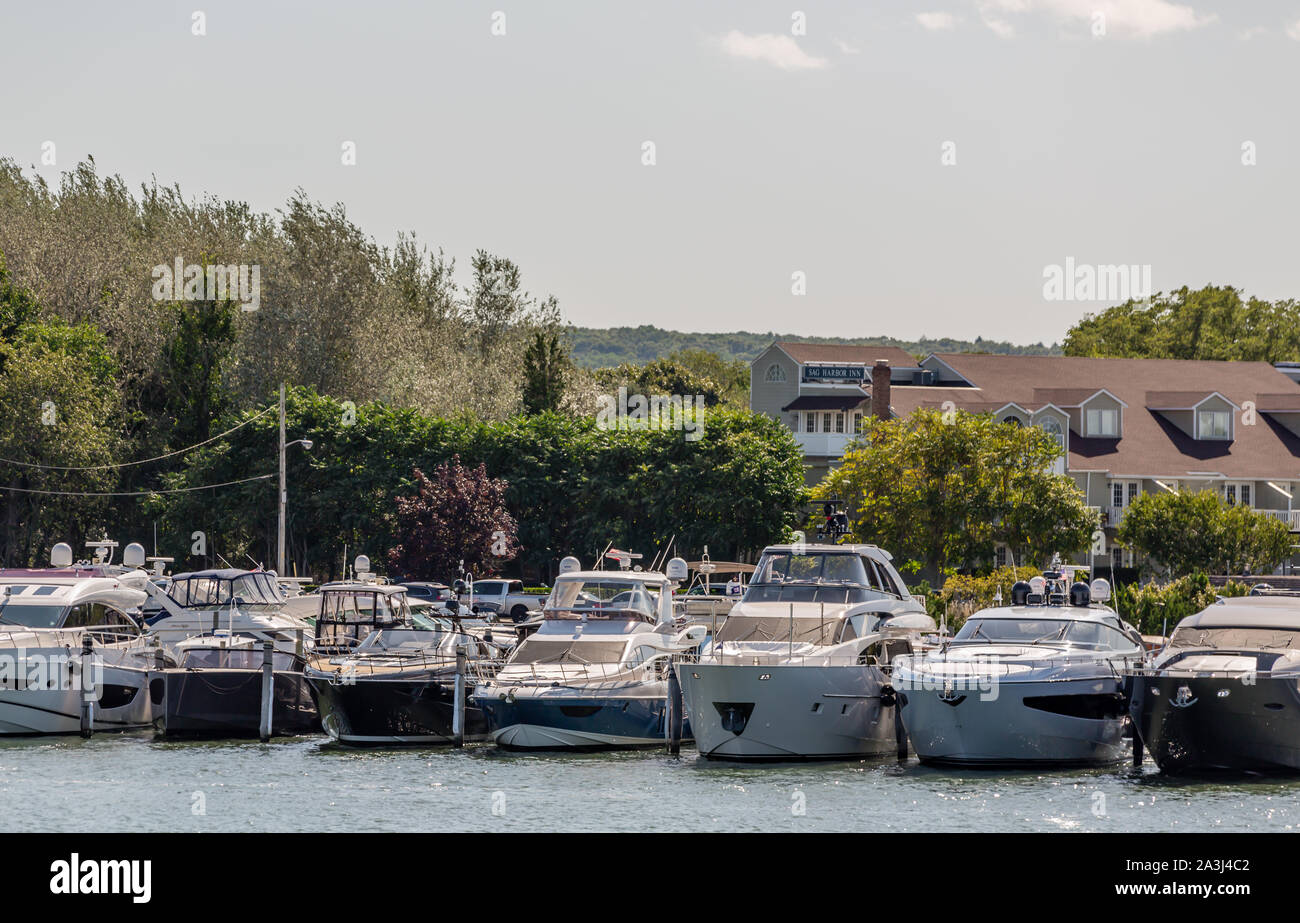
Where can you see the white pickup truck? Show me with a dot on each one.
(506, 598)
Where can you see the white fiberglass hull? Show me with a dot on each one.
(121, 702)
(773, 713)
(1052, 722)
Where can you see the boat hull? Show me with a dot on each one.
(122, 703)
(228, 703)
(1187, 725)
(1068, 722)
(393, 711)
(782, 713)
(546, 718)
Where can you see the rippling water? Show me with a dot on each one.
(134, 782)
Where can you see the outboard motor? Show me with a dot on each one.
(1020, 593)
(1080, 595)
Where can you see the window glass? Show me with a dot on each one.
(1103, 422)
(775, 373)
(1214, 424)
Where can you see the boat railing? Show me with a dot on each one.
(19, 637)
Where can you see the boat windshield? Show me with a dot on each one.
(1079, 633)
(410, 640)
(606, 595)
(786, 577)
(801, 630)
(211, 658)
(30, 616)
(544, 651)
(1237, 639)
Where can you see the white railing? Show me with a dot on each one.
(1290, 517)
(831, 445)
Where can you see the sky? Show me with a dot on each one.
(827, 168)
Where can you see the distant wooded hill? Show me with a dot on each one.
(595, 347)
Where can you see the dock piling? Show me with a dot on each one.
(87, 686)
(268, 690)
(458, 705)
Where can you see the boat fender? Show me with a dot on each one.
(888, 697)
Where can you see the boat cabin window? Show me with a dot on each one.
(205, 592)
(543, 651)
(412, 640)
(1099, 636)
(836, 579)
(604, 596)
(1237, 639)
(752, 628)
(30, 616)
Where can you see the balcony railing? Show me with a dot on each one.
(1290, 517)
(831, 445)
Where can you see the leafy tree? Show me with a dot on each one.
(546, 371)
(1213, 322)
(456, 517)
(1199, 532)
(1154, 608)
(942, 493)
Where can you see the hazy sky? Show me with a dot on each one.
(775, 151)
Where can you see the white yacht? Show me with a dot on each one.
(800, 668)
(67, 637)
(1037, 682)
(239, 601)
(594, 675)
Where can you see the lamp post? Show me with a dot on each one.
(284, 493)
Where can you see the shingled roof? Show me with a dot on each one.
(1151, 444)
(804, 353)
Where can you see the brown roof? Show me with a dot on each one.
(1175, 400)
(1277, 403)
(1062, 397)
(1151, 444)
(804, 353)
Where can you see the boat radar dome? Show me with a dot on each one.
(362, 564)
(61, 555)
(677, 571)
(1100, 589)
(1080, 595)
(133, 555)
(1020, 593)
(570, 564)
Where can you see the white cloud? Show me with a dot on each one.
(1126, 18)
(846, 48)
(936, 21)
(778, 50)
(1293, 30)
(1246, 35)
(1001, 28)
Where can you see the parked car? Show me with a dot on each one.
(506, 598)
(425, 590)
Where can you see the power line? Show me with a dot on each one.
(143, 461)
(132, 493)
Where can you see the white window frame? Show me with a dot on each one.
(1099, 415)
(1200, 429)
(1239, 492)
(775, 373)
(810, 421)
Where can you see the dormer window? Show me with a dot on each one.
(1104, 423)
(1213, 424)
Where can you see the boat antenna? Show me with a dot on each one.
(600, 559)
(223, 560)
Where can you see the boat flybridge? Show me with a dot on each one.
(1224, 693)
(72, 656)
(595, 673)
(1039, 682)
(801, 667)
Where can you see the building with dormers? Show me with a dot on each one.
(1127, 426)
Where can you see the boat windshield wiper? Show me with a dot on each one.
(979, 630)
(1054, 635)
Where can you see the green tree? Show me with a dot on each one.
(1199, 532)
(941, 491)
(1213, 322)
(546, 373)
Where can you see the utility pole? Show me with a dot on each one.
(284, 496)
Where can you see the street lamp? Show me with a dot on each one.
(284, 493)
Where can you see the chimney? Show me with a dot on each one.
(880, 389)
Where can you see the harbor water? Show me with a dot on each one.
(133, 782)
